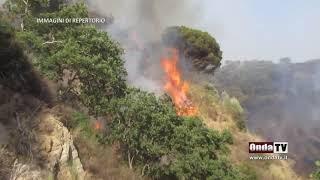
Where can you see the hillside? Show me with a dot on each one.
(282, 103)
(69, 111)
(34, 142)
(220, 111)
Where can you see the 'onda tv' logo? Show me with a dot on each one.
(268, 147)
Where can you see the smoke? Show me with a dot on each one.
(283, 103)
(291, 113)
(138, 26)
(149, 17)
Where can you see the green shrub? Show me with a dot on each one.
(247, 172)
(82, 121)
(168, 146)
(316, 174)
(233, 106)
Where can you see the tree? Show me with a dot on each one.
(95, 65)
(24, 8)
(166, 145)
(197, 45)
(33, 7)
(86, 58)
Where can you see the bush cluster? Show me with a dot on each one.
(168, 146)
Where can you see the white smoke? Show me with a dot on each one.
(146, 20)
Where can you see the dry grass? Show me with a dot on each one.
(99, 161)
(216, 116)
(102, 161)
(6, 162)
(211, 110)
(272, 169)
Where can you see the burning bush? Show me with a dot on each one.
(166, 145)
(198, 46)
(175, 86)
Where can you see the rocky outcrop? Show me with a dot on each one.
(54, 154)
(23, 171)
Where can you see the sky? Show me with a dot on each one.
(269, 29)
(255, 29)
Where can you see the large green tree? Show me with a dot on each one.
(86, 59)
(198, 46)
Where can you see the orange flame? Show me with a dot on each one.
(97, 125)
(175, 86)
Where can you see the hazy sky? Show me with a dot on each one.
(259, 29)
(269, 29)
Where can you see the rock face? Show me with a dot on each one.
(56, 145)
(54, 152)
(22, 171)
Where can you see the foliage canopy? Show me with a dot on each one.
(84, 57)
(199, 46)
(152, 135)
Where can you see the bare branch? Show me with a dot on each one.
(25, 2)
(144, 168)
(130, 160)
(51, 42)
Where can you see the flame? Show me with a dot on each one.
(97, 125)
(175, 86)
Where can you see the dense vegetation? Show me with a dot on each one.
(198, 46)
(86, 59)
(166, 144)
(316, 174)
(87, 66)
